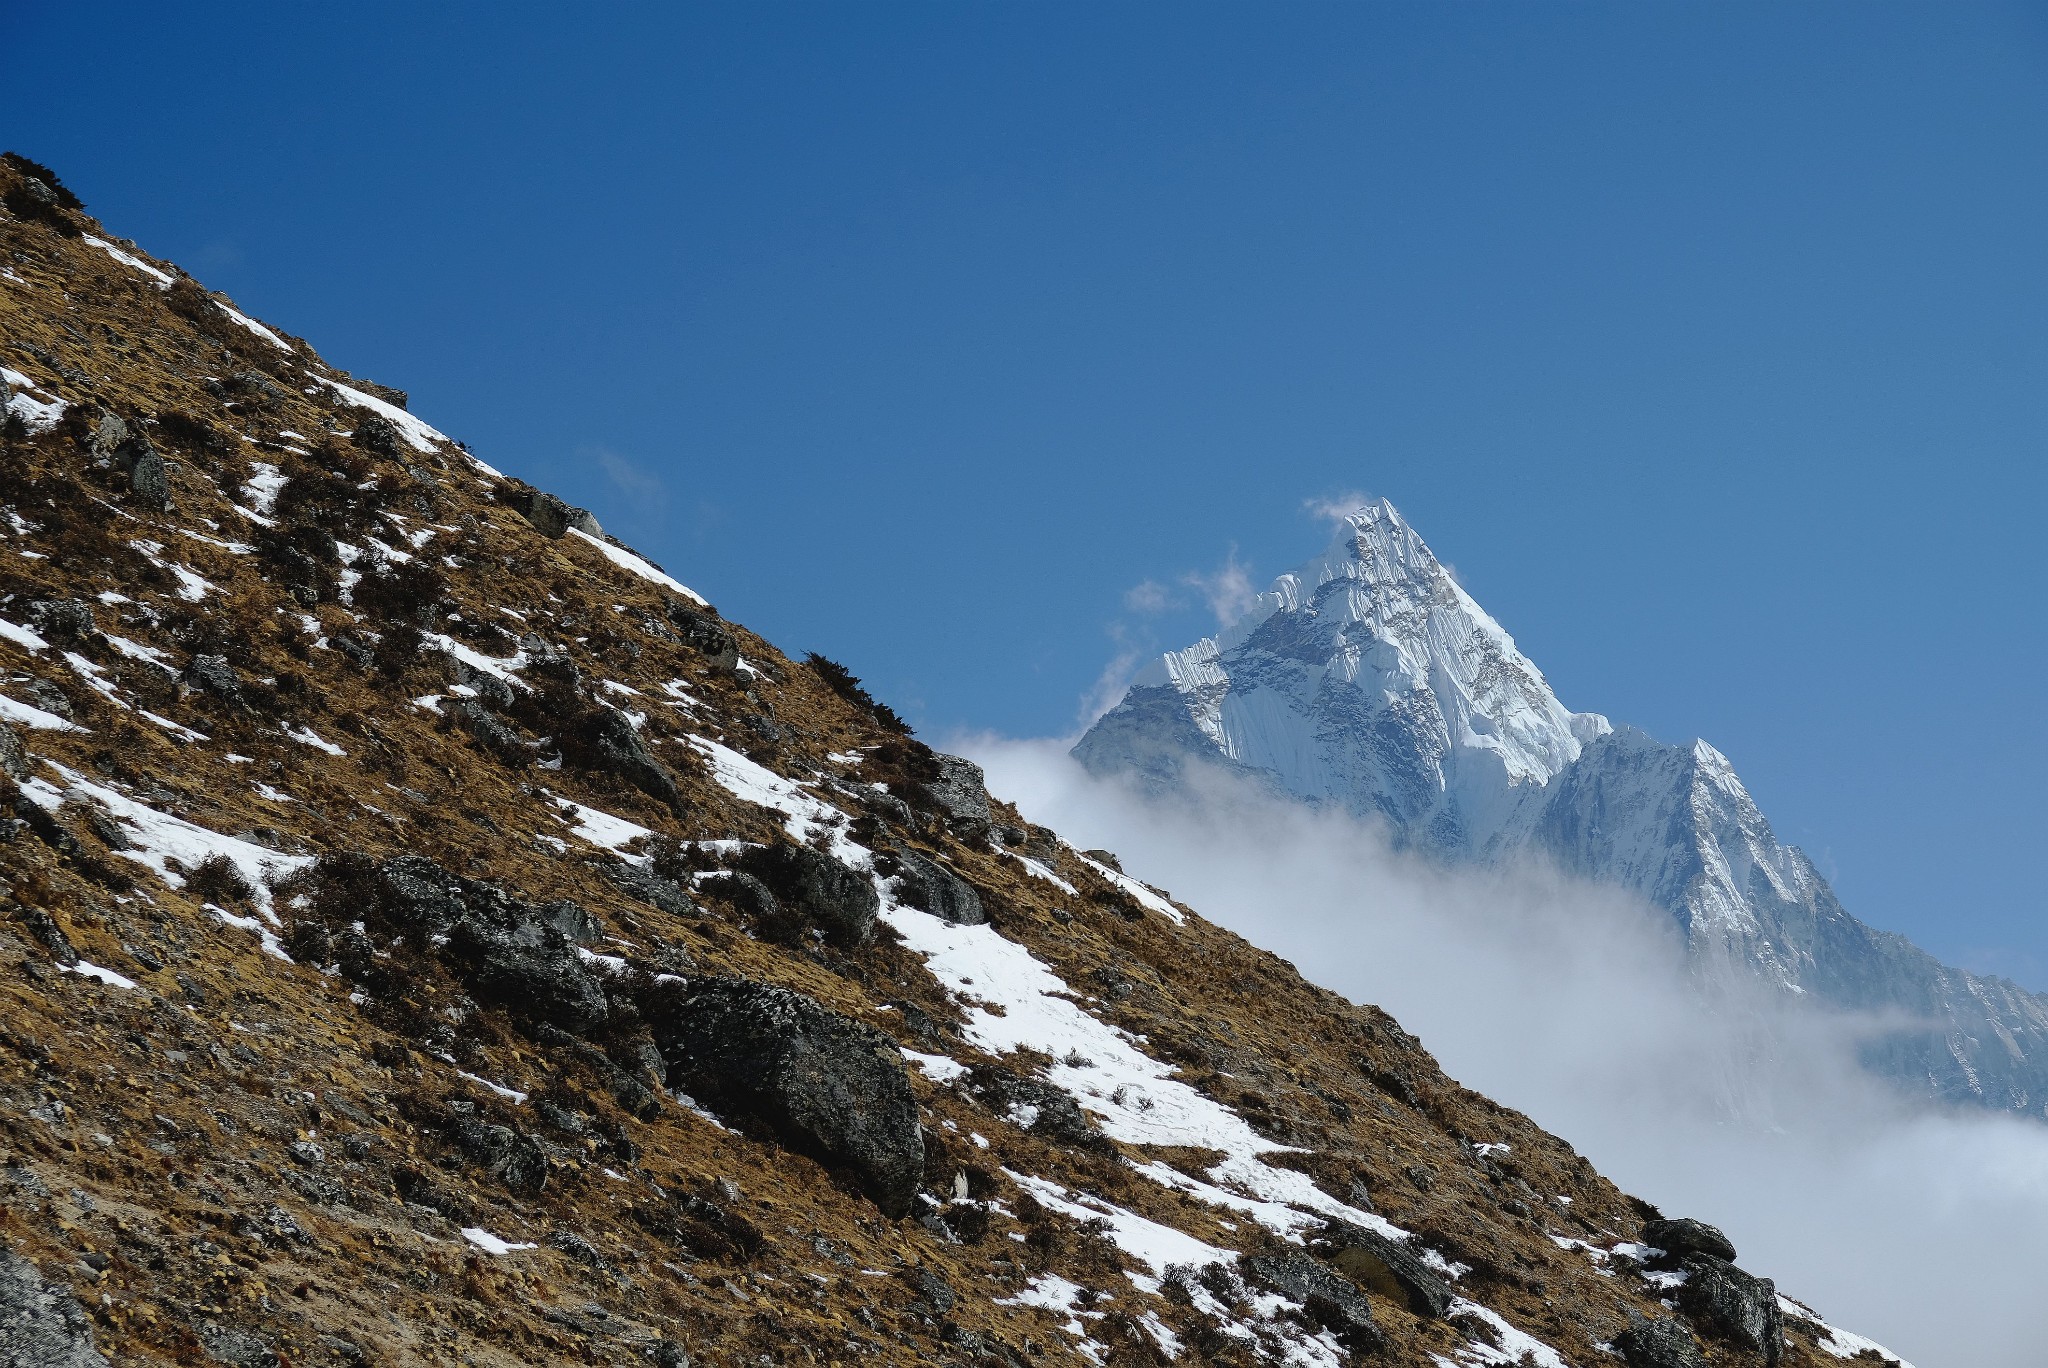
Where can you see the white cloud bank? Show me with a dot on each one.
(1925, 1231)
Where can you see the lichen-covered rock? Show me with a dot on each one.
(511, 1158)
(651, 888)
(1036, 1105)
(1683, 1236)
(609, 742)
(703, 633)
(1387, 1267)
(1732, 1305)
(41, 1324)
(814, 885)
(212, 674)
(66, 622)
(1330, 1301)
(961, 793)
(827, 1085)
(1659, 1344)
(13, 755)
(532, 970)
(497, 738)
(931, 887)
(550, 516)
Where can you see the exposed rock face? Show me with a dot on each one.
(1036, 1105)
(65, 622)
(931, 887)
(1659, 1344)
(14, 762)
(704, 634)
(1387, 1267)
(41, 1323)
(611, 743)
(830, 1085)
(1331, 1300)
(212, 674)
(550, 516)
(1733, 1305)
(813, 884)
(1369, 680)
(1684, 1236)
(961, 793)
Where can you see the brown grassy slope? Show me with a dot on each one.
(151, 1133)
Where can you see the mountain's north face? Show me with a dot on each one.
(431, 934)
(1369, 679)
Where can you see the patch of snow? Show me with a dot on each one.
(491, 1244)
(1842, 1344)
(638, 565)
(1517, 1348)
(86, 969)
(37, 415)
(417, 434)
(34, 717)
(262, 487)
(1038, 870)
(513, 1095)
(306, 736)
(154, 837)
(22, 636)
(601, 828)
(1145, 896)
(130, 260)
(177, 729)
(938, 1068)
(237, 316)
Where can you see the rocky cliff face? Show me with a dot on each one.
(1369, 679)
(432, 934)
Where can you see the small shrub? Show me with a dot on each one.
(847, 685)
(215, 879)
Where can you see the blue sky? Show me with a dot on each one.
(1706, 341)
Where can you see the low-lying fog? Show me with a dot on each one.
(1927, 1231)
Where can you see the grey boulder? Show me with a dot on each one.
(813, 884)
(1330, 1301)
(825, 1084)
(1733, 1305)
(931, 887)
(1386, 1266)
(1684, 1236)
(961, 793)
(1659, 1344)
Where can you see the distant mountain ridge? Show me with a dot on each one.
(1368, 679)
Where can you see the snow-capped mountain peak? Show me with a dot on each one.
(1347, 661)
(1369, 679)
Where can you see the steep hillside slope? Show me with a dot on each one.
(1369, 679)
(433, 935)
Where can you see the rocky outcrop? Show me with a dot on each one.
(1732, 1305)
(813, 885)
(1330, 1300)
(41, 1323)
(1684, 1236)
(550, 516)
(1659, 1344)
(1386, 1267)
(960, 792)
(824, 1083)
(930, 887)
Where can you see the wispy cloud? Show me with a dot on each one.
(1148, 598)
(1227, 589)
(1334, 508)
(644, 490)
